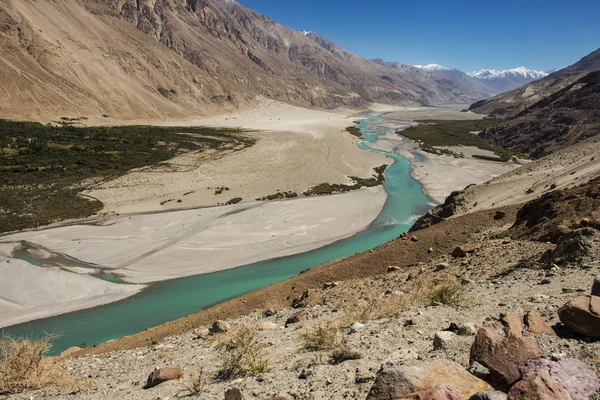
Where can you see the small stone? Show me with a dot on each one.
(306, 373)
(545, 281)
(596, 286)
(496, 395)
(233, 394)
(220, 327)
(270, 313)
(430, 250)
(499, 215)
(468, 329)
(414, 238)
(557, 356)
(329, 285)
(356, 327)
(442, 339)
(297, 317)
(441, 267)
(160, 375)
(409, 322)
(393, 268)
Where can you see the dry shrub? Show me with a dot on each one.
(23, 366)
(447, 293)
(323, 337)
(199, 381)
(242, 354)
(374, 306)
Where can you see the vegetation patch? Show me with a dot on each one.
(278, 196)
(44, 168)
(354, 131)
(430, 133)
(242, 355)
(329, 188)
(23, 366)
(323, 337)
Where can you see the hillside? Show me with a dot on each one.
(566, 117)
(148, 60)
(511, 103)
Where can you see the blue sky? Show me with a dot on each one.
(467, 35)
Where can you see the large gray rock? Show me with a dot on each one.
(395, 381)
(443, 339)
(582, 315)
(576, 377)
(233, 394)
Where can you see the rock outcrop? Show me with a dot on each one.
(393, 382)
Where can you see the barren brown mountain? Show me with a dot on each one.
(172, 58)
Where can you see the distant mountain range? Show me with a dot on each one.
(496, 80)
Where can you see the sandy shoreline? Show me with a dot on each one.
(190, 242)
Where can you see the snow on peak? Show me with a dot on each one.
(432, 67)
(306, 33)
(504, 73)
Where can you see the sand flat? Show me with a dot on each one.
(28, 292)
(145, 248)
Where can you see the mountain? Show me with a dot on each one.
(142, 59)
(509, 104)
(550, 114)
(432, 67)
(507, 79)
(489, 82)
(566, 117)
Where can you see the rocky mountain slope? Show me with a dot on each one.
(511, 103)
(488, 81)
(151, 59)
(565, 117)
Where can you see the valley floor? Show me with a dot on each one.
(151, 228)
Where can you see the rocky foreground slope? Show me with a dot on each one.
(174, 58)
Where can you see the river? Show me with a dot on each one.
(169, 300)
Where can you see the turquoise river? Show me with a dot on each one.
(169, 300)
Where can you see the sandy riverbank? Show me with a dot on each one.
(28, 292)
(296, 149)
(145, 248)
(439, 174)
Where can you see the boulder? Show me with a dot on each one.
(220, 327)
(499, 215)
(395, 381)
(270, 312)
(536, 325)
(442, 340)
(440, 392)
(582, 315)
(233, 394)
(538, 386)
(296, 317)
(495, 395)
(576, 377)
(502, 349)
(160, 375)
(302, 301)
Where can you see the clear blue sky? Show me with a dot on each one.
(467, 35)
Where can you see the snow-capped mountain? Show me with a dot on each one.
(432, 67)
(503, 80)
(503, 73)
